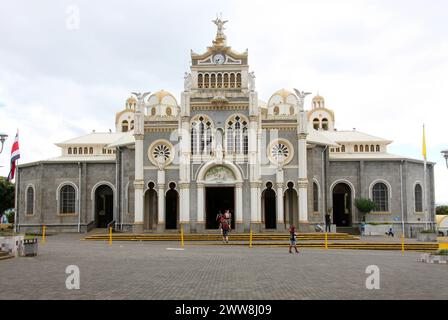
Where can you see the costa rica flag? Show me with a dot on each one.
(15, 155)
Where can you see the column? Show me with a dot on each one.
(280, 207)
(184, 214)
(200, 207)
(138, 185)
(303, 175)
(255, 201)
(161, 200)
(239, 207)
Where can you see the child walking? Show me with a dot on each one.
(292, 239)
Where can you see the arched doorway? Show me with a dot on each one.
(291, 206)
(342, 205)
(104, 206)
(171, 208)
(150, 207)
(269, 207)
(218, 200)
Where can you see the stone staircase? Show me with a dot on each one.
(256, 237)
(5, 255)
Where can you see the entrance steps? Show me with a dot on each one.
(349, 230)
(217, 237)
(5, 255)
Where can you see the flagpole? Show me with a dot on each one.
(425, 204)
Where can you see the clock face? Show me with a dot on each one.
(218, 58)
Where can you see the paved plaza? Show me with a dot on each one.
(148, 270)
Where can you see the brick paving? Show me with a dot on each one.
(147, 270)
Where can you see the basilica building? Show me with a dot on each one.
(178, 160)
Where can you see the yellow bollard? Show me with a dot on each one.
(326, 241)
(110, 236)
(250, 238)
(44, 229)
(402, 243)
(182, 235)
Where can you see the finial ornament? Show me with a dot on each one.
(301, 95)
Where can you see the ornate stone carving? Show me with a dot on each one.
(219, 174)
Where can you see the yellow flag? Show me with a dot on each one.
(424, 143)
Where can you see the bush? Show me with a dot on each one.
(428, 231)
(10, 216)
(364, 205)
(443, 252)
(442, 210)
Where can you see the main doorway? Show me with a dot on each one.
(218, 199)
(104, 206)
(342, 204)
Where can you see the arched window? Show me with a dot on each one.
(232, 80)
(30, 201)
(291, 110)
(316, 124)
(213, 80)
(219, 81)
(153, 111)
(124, 126)
(325, 124)
(226, 80)
(201, 135)
(168, 111)
(237, 135)
(361, 148)
(75, 150)
(367, 148)
(418, 195)
(377, 148)
(69, 151)
(315, 197)
(91, 150)
(238, 80)
(372, 148)
(200, 80)
(132, 125)
(206, 80)
(343, 148)
(68, 200)
(86, 150)
(276, 110)
(80, 150)
(356, 148)
(380, 195)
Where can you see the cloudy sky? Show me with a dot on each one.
(66, 67)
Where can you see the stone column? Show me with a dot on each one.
(239, 226)
(184, 214)
(280, 207)
(138, 184)
(200, 224)
(255, 209)
(161, 200)
(302, 183)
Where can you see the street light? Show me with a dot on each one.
(3, 137)
(445, 155)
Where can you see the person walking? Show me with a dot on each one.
(327, 222)
(292, 239)
(225, 231)
(219, 217)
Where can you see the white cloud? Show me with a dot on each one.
(381, 65)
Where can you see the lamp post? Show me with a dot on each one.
(445, 155)
(3, 137)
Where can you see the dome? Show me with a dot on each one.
(162, 98)
(318, 102)
(131, 102)
(283, 96)
(162, 104)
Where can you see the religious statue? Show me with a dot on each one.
(220, 24)
(252, 81)
(138, 116)
(219, 153)
(188, 82)
(301, 95)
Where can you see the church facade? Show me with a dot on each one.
(179, 163)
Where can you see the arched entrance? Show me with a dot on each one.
(218, 200)
(150, 208)
(171, 208)
(342, 205)
(269, 207)
(104, 206)
(291, 206)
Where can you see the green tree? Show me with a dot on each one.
(7, 191)
(442, 210)
(364, 205)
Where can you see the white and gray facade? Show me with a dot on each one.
(172, 165)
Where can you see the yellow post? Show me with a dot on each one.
(326, 241)
(250, 238)
(402, 243)
(43, 234)
(182, 235)
(110, 236)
